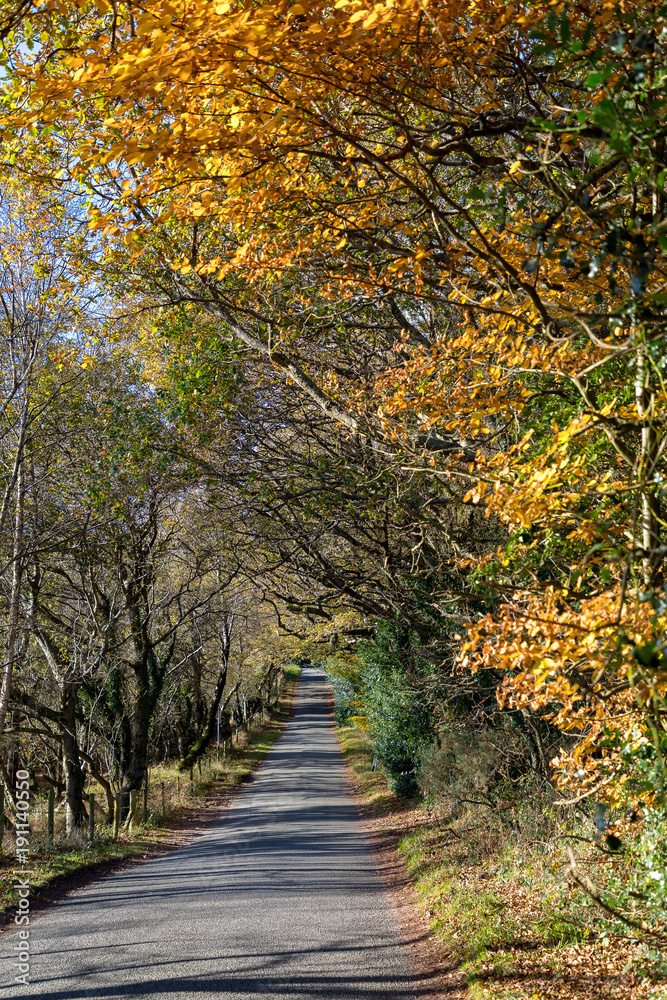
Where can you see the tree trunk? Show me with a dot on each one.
(17, 574)
(205, 734)
(534, 740)
(650, 505)
(134, 773)
(199, 747)
(75, 813)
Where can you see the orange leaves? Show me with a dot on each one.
(570, 662)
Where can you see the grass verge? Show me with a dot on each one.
(175, 804)
(501, 904)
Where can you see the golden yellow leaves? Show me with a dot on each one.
(372, 17)
(544, 646)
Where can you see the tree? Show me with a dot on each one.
(488, 180)
(39, 309)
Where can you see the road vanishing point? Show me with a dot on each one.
(279, 898)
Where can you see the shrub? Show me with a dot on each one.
(400, 726)
(345, 699)
(472, 765)
(459, 765)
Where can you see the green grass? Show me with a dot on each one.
(505, 896)
(372, 784)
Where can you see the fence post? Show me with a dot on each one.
(2, 814)
(116, 817)
(162, 791)
(146, 797)
(133, 809)
(91, 816)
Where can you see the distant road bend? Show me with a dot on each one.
(280, 898)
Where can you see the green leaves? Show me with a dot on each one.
(598, 78)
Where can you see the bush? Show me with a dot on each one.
(395, 713)
(461, 765)
(400, 728)
(471, 765)
(400, 725)
(345, 698)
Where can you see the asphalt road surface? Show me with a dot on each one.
(280, 898)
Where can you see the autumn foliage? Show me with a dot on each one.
(486, 180)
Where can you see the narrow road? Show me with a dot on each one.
(280, 898)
